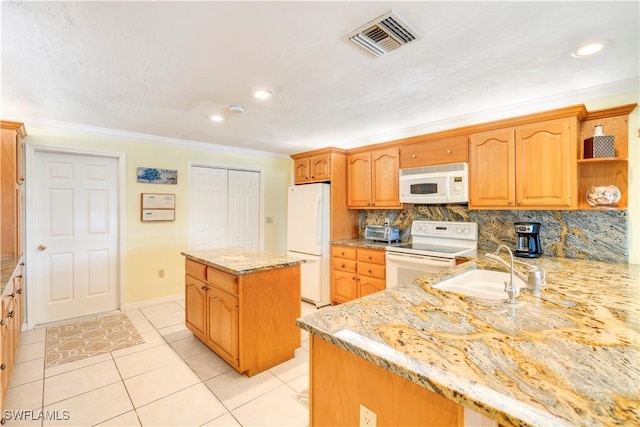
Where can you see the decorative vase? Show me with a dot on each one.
(597, 130)
(606, 195)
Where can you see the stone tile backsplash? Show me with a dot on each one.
(599, 235)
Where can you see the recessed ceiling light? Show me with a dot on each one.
(262, 94)
(236, 108)
(588, 49)
(217, 118)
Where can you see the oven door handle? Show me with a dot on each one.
(420, 260)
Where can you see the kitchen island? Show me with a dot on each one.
(243, 304)
(570, 356)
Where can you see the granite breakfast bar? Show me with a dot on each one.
(243, 304)
(568, 357)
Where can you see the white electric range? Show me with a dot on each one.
(434, 247)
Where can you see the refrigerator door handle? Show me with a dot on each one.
(319, 215)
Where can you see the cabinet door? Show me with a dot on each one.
(492, 169)
(222, 331)
(344, 287)
(195, 306)
(368, 285)
(359, 180)
(321, 168)
(302, 171)
(546, 155)
(385, 166)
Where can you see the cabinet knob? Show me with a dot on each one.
(204, 288)
(342, 265)
(3, 367)
(369, 271)
(519, 202)
(42, 247)
(448, 151)
(19, 291)
(11, 314)
(413, 156)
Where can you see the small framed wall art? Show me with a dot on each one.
(157, 207)
(157, 176)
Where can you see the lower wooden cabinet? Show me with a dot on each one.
(10, 327)
(247, 319)
(356, 272)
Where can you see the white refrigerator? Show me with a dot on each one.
(308, 219)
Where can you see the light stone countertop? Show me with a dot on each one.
(241, 261)
(568, 357)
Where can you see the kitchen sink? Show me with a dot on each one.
(487, 284)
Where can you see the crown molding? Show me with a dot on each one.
(115, 133)
(505, 112)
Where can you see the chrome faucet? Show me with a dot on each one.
(510, 288)
(535, 279)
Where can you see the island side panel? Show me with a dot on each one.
(270, 301)
(341, 382)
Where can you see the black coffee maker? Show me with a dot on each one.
(528, 245)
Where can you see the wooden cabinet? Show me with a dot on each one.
(436, 152)
(372, 179)
(11, 176)
(356, 272)
(525, 167)
(247, 319)
(11, 312)
(329, 165)
(606, 170)
(341, 382)
(313, 169)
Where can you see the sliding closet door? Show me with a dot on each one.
(244, 208)
(224, 208)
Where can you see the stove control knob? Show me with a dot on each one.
(458, 230)
(467, 230)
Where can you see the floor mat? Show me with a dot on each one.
(86, 338)
(303, 397)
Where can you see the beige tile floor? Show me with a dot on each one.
(170, 380)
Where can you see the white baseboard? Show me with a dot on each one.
(154, 301)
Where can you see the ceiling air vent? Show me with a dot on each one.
(384, 34)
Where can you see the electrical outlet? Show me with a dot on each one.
(386, 221)
(368, 418)
(161, 273)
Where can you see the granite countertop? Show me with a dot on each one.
(568, 357)
(362, 243)
(8, 265)
(241, 261)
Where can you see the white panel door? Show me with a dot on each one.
(208, 208)
(244, 209)
(224, 208)
(76, 232)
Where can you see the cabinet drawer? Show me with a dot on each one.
(195, 269)
(373, 270)
(224, 281)
(371, 255)
(344, 252)
(438, 152)
(342, 264)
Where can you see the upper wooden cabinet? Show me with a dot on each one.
(372, 179)
(329, 165)
(437, 152)
(11, 176)
(530, 167)
(313, 169)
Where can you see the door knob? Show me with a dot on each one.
(42, 247)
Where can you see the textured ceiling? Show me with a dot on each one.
(161, 68)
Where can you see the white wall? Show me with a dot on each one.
(150, 247)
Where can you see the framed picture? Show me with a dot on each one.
(157, 207)
(157, 176)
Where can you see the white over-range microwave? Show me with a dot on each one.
(435, 184)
